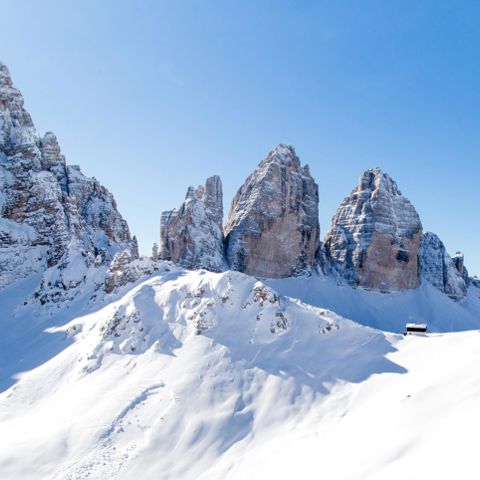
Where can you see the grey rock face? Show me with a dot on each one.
(48, 209)
(375, 236)
(53, 161)
(273, 229)
(192, 236)
(439, 269)
(97, 208)
(127, 267)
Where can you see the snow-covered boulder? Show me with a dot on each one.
(375, 236)
(273, 229)
(192, 236)
(438, 268)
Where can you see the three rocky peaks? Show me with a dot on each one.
(376, 239)
(57, 222)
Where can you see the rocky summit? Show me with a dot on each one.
(375, 236)
(50, 212)
(273, 229)
(192, 235)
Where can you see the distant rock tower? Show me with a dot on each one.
(273, 229)
(192, 236)
(375, 236)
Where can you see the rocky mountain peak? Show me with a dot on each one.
(376, 179)
(192, 235)
(375, 235)
(50, 212)
(17, 133)
(283, 155)
(7, 89)
(273, 229)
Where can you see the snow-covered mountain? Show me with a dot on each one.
(199, 375)
(53, 219)
(256, 351)
(376, 239)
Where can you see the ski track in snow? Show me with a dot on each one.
(108, 459)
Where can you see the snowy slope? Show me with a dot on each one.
(387, 311)
(418, 425)
(197, 375)
(180, 370)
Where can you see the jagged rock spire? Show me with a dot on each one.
(192, 236)
(273, 229)
(375, 236)
(17, 133)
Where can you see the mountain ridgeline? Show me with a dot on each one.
(64, 226)
(376, 239)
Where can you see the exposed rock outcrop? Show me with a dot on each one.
(375, 236)
(438, 268)
(192, 236)
(273, 229)
(126, 267)
(49, 211)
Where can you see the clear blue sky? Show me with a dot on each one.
(152, 96)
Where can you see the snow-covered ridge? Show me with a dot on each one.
(172, 375)
(199, 375)
(161, 311)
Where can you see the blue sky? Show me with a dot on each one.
(152, 96)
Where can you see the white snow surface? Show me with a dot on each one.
(387, 311)
(199, 375)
